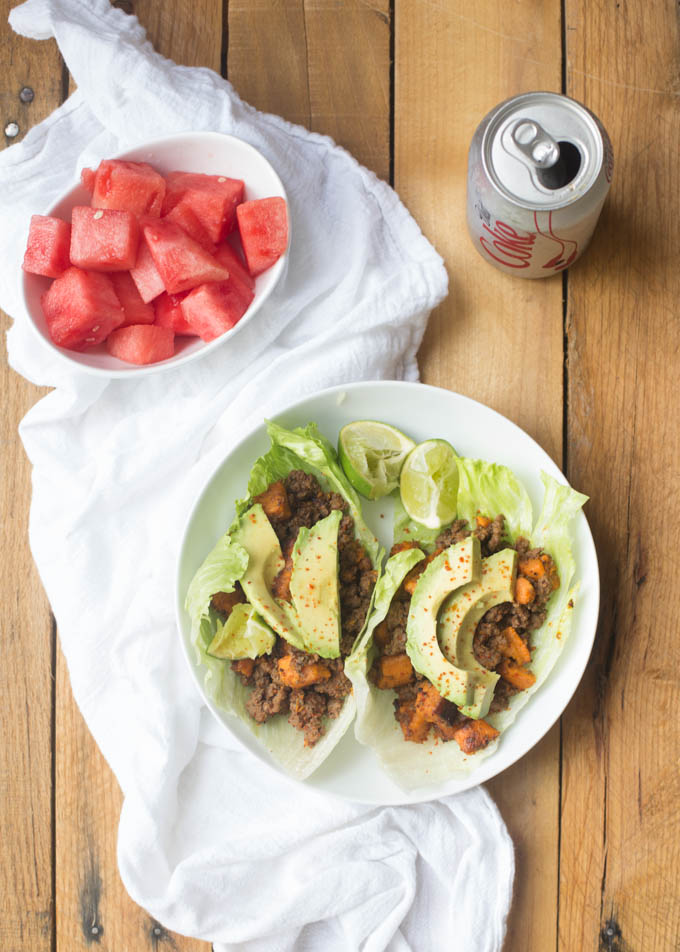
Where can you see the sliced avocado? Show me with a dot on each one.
(459, 617)
(314, 585)
(243, 635)
(265, 561)
(458, 565)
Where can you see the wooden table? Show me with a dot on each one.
(586, 362)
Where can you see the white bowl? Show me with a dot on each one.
(209, 152)
(353, 771)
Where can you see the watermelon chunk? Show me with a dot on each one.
(128, 186)
(136, 311)
(103, 239)
(145, 274)
(212, 199)
(183, 216)
(87, 177)
(142, 343)
(263, 226)
(169, 313)
(81, 309)
(181, 262)
(47, 249)
(234, 264)
(212, 309)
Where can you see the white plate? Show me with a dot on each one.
(212, 153)
(352, 771)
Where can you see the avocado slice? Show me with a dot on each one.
(314, 585)
(458, 565)
(265, 561)
(243, 635)
(459, 617)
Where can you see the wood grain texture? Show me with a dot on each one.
(620, 863)
(26, 636)
(495, 338)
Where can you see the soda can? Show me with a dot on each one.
(539, 169)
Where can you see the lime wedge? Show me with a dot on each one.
(372, 455)
(429, 483)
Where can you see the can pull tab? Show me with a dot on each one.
(535, 143)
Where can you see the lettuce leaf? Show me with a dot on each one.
(306, 449)
(488, 488)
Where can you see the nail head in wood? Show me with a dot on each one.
(12, 130)
(26, 94)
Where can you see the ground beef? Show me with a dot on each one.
(491, 536)
(396, 619)
(456, 532)
(307, 711)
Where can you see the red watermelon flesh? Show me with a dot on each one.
(263, 226)
(87, 177)
(48, 246)
(212, 309)
(181, 262)
(169, 313)
(81, 309)
(145, 274)
(136, 311)
(128, 186)
(212, 199)
(142, 343)
(183, 216)
(103, 239)
(235, 265)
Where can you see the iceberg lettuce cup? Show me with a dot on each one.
(467, 622)
(281, 601)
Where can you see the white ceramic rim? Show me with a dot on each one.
(137, 370)
(584, 636)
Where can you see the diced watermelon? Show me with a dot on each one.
(181, 262)
(142, 343)
(81, 309)
(48, 246)
(169, 313)
(183, 216)
(87, 177)
(103, 239)
(263, 226)
(226, 256)
(145, 274)
(136, 311)
(128, 186)
(212, 309)
(212, 199)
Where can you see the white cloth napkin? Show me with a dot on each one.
(211, 842)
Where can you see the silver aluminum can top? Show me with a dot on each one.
(542, 150)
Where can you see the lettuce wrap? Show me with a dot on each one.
(304, 449)
(490, 489)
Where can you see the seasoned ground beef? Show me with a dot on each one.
(305, 503)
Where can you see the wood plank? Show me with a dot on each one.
(92, 905)
(335, 57)
(620, 830)
(26, 880)
(495, 338)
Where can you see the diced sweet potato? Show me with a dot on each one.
(482, 521)
(274, 501)
(515, 647)
(475, 735)
(519, 677)
(525, 592)
(311, 673)
(244, 667)
(532, 568)
(438, 711)
(393, 671)
(428, 699)
(411, 580)
(413, 725)
(551, 571)
(381, 634)
(225, 601)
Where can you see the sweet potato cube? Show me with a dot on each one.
(393, 671)
(381, 634)
(274, 501)
(295, 677)
(515, 647)
(518, 677)
(475, 735)
(226, 601)
(482, 521)
(245, 667)
(525, 592)
(413, 725)
(532, 568)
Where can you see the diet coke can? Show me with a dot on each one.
(539, 170)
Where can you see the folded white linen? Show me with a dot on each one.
(116, 464)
